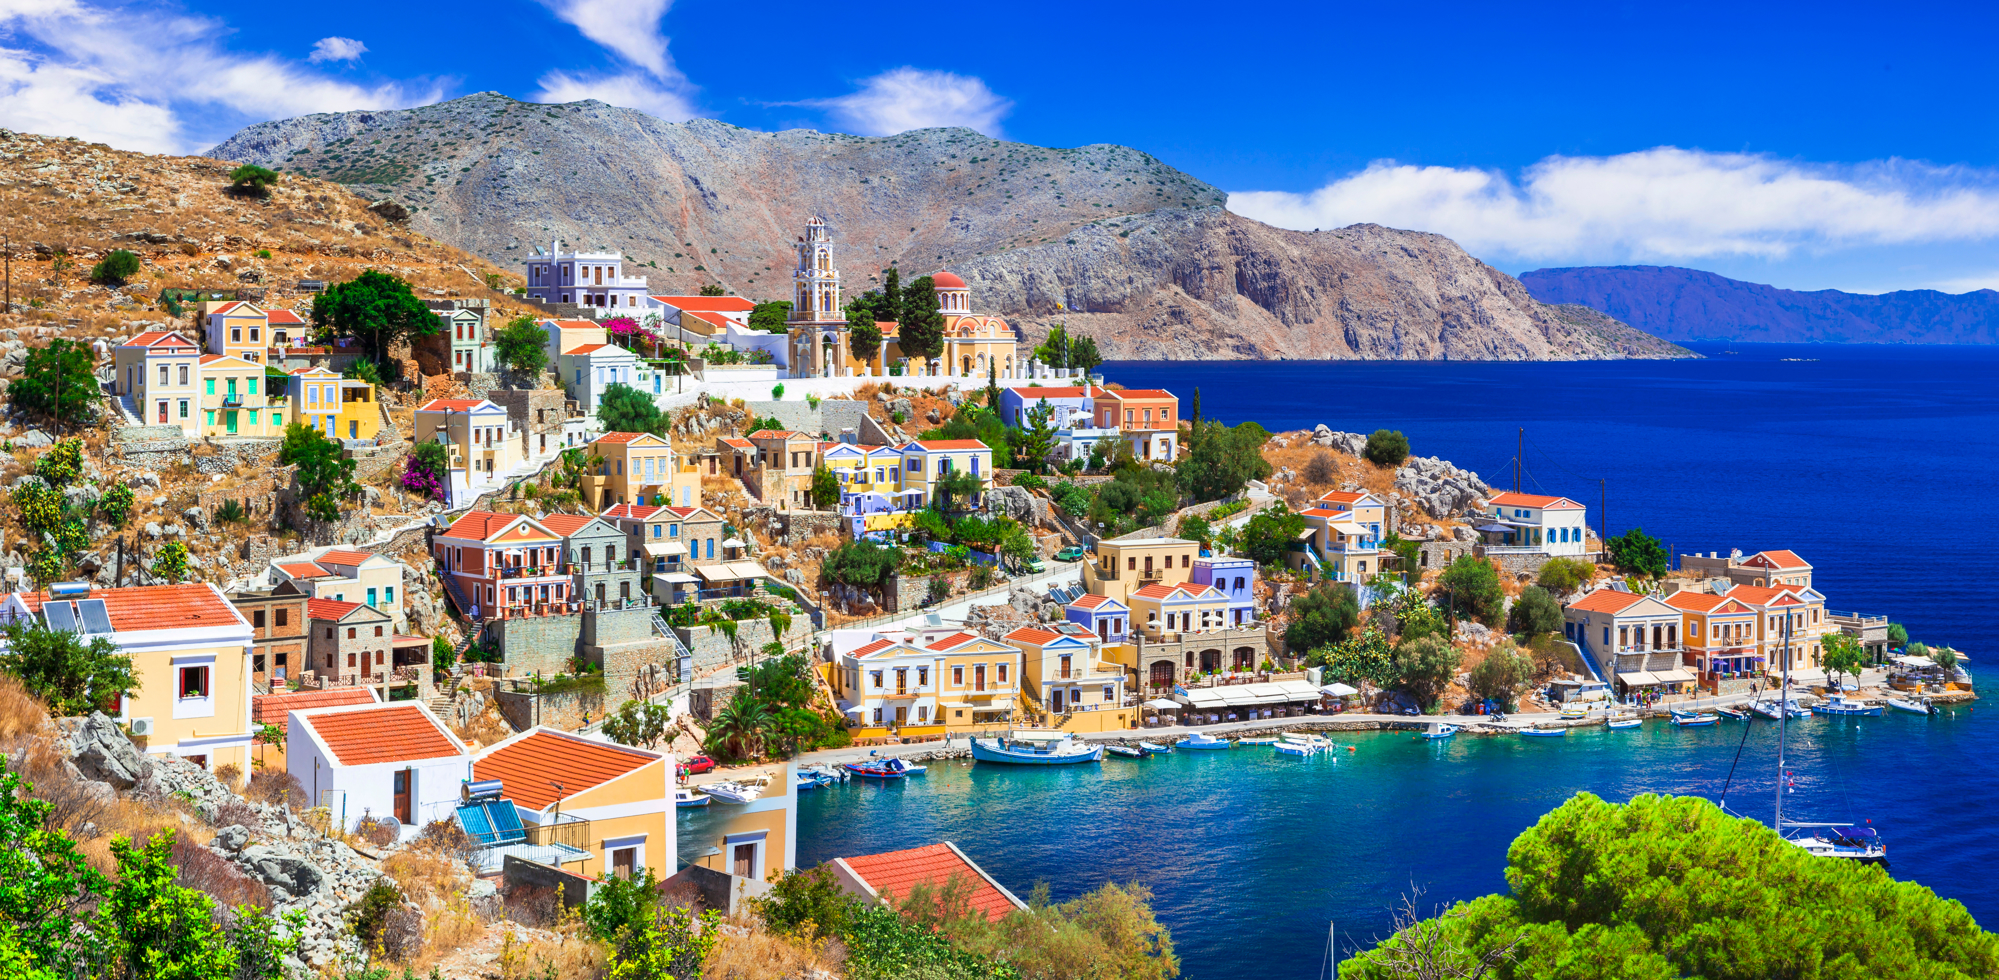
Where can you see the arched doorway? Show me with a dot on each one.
(830, 349)
(1161, 677)
(1211, 660)
(1245, 658)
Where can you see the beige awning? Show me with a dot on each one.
(1674, 676)
(1203, 697)
(677, 578)
(1637, 678)
(1348, 527)
(731, 571)
(658, 549)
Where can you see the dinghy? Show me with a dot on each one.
(1619, 724)
(1923, 707)
(1544, 732)
(1124, 750)
(1203, 740)
(1690, 719)
(687, 797)
(1155, 748)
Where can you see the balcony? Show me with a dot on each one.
(528, 571)
(232, 400)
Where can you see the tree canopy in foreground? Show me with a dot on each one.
(1667, 887)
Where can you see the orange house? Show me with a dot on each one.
(1149, 418)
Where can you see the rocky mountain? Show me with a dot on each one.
(1162, 269)
(1688, 304)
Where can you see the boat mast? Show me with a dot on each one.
(1783, 715)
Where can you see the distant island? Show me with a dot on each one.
(1688, 304)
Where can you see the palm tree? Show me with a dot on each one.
(740, 727)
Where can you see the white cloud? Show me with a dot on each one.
(632, 89)
(336, 49)
(1664, 204)
(136, 78)
(911, 98)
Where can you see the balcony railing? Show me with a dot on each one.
(562, 833)
(529, 571)
(232, 400)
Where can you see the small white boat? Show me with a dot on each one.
(687, 796)
(1573, 711)
(1767, 709)
(1544, 732)
(1155, 748)
(1035, 747)
(1623, 723)
(1837, 704)
(1203, 740)
(747, 790)
(1441, 731)
(1301, 743)
(1923, 707)
(1259, 740)
(1124, 750)
(1690, 719)
(823, 773)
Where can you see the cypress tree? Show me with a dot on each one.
(922, 331)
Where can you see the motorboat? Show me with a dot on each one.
(1155, 748)
(1838, 705)
(890, 768)
(1441, 731)
(1574, 711)
(1124, 750)
(686, 796)
(1767, 709)
(1619, 724)
(1302, 743)
(824, 773)
(1736, 714)
(1203, 740)
(1258, 740)
(1923, 707)
(805, 780)
(1544, 732)
(1035, 747)
(1861, 844)
(747, 790)
(1689, 719)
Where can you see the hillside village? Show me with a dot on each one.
(470, 606)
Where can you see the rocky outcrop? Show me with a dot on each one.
(1140, 256)
(1439, 487)
(103, 753)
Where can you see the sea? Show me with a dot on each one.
(1869, 461)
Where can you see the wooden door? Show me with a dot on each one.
(744, 863)
(403, 779)
(624, 861)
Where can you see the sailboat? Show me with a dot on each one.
(1833, 840)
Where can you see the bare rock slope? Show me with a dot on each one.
(1162, 269)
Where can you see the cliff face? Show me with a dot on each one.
(1687, 304)
(1148, 251)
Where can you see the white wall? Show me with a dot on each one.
(434, 793)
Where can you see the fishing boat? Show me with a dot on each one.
(1035, 747)
(805, 780)
(1203, 740)
(1837, 704)
(1544, 732)
(1155, 748)
(1690, 719)
(1767, 709)
(1923, 707)
(1441, 731)
(1300, 743)
(1736, 714)
(687, 797)
(824, 773)
(1574, 711)
(746, 790)
(1620, 724)
(1124, 750)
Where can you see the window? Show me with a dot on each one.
(1131, 564)
(389, 593)
(957, 677)
(257, 619)
(163, 374)
(1002, 673)
(876, 677)
(253, 384)
(878, 716)
(211, 386)
(235, 335)
(183, 408)
(329, 632)
(183, 375)
(350, 660)
(1108, 695)
(284, 615)
(378, 631)
(194, 682)
(350, 630)
(922, 676)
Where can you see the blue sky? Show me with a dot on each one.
(1807, 146)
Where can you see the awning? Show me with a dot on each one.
(1203, 697)
(1674, 676)
(1339, 690)
(1236, 697)
(1298, 691)
(1637, 678)
(849, 709)
(1267, 693)
(1495, 528)
(999, 705)
(677, 578)
(1348, 527)
(732, 571)
(1163, 704)
(956, 704)
(658, 548)
(1924, 663)
(732, 542)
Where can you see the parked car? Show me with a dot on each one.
(697, 764)
(1035, 566)
(1074, 552)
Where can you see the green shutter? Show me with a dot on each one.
(211, 386)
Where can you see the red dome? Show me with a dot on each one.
(945, 280)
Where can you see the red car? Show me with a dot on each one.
(697, 764)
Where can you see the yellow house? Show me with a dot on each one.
(360, 417)
(928, 463)
(638, 468)
(335, 407)
(236, 329)
(757, 842)
(590, 807)
(1122, 566)
(159, 371)
(1803, 609)
(1181, 608)
(1065, 670)
(927, 685)
(235, 399)
(191, 660)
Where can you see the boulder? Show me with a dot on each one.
(196, 516)
(104, 753)
(153, 530)
(233, 838)
(278, 869)
(1014, 502)
(33, 439)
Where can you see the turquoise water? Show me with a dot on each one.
(1874, 463)
(1250, 854)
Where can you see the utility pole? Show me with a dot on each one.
(9, 249)
(1602, 516)
(1519, 446)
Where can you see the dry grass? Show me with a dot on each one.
(426, 875)
(760, 954)
(21, 716)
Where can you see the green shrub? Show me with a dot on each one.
(117, 267)
(1386, 448)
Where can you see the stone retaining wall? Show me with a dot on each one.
(1437, 554)
(375, 460)
(537, 643)
(567, 710)
(1522, 567)
(712, 649)
(801, 526)
(224, 457)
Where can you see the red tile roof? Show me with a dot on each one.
(1343, 496)
(1157, 590)
(586, 349)
(481, 525)
(567, 524)
(1091, 600)
(330, 610)
(936, 445)
(394, 733)
(896, 872)
(953, 640)
(1142, 393)
(158, 607)
(688, 513)
(731, 304)
(714, 318)
(1031, 394)
(1763, 595)
(452, 404)
(873, 648)
(778, 434)
(273, 709)
(1511, 499)
(1325, 512)
(1034, 635)
(1606, 600)
(1778, 559)
(638, 512)
(159, 338)
(305, 569)
(736, 442)
(576, 324)
(284, 318)
(344, 556)
(1694, 601)
(529, 767)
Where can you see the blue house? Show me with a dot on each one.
(1234, 577)
(1067, 403)
(1102, 615)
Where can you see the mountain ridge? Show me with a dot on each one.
(1692, 305)
(1039, 231)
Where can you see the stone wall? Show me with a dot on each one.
(567, 710)
(153, 447)
(712, 649)
(832, 415)
(375, 460)
(537, 643)
(610, 627)
(256, 499)
(224, 457)
(801, 526)
(909, 593)
(1437, 554)
(1522, 567)
(535, 411)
